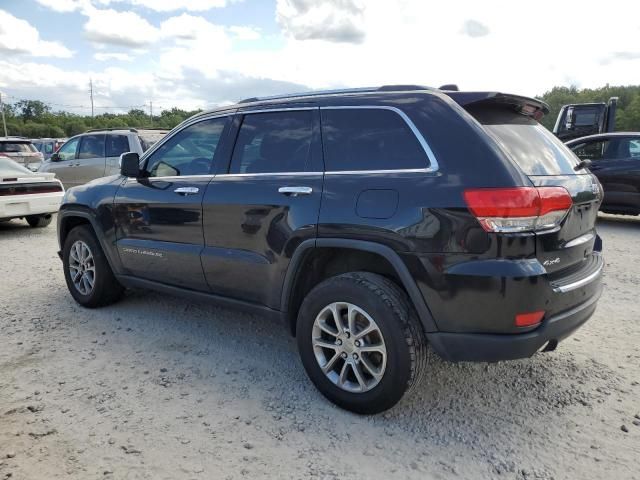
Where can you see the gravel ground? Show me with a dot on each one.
(162, 388)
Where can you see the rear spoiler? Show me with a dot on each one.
(524, 105)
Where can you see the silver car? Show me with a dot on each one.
(21, 151)
(96, 153)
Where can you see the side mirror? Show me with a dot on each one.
(55, 157)
(130, 164)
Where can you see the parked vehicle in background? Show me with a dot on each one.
(96, 153)
(26, 194)
(582, 119)
(372, 222)
(48, 146)
(21, 151)
(615, 159)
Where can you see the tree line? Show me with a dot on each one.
(36, 119)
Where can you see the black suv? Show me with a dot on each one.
(372, 222)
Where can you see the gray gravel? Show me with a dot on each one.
(161, 388)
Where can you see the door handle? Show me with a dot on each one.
(187, 190)
(295, 191)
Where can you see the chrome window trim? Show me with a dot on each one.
(269, 174)
(433, 162)
(175, 177)
(274, 110)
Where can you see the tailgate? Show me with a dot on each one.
(547, 162)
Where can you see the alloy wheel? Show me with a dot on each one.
(349, 347)
(82, 267)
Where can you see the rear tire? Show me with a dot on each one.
(39, 221)
(383, 364)
(86, 270)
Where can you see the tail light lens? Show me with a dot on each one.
(518, 209)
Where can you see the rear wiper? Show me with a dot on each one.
(583, 164)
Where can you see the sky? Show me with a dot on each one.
(203, 53)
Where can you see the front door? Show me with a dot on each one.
(65, 165)
(259, 209)
(159, 216)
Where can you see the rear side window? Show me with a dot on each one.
(91, 146)
(117, 145)
(532, 147)
(273, 142)
(369, 139)
(608, 149)
(17, 147)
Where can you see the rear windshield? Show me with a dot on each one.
(17, 147)
(534, 148)
(148, 139)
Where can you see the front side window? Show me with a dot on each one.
(117, 145)
(273, 142)
(91, 146)
(589, 151)
(47, 148)
(369, 139)
(188, 152)
(68, 150)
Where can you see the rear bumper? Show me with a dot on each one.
(16, 206)
(483, 347)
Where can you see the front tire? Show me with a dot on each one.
(86, 270)
(360, 341)
(39, 221)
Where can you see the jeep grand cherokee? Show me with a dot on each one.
(373, 222)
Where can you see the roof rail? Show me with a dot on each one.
(315, 93)
(112, 129)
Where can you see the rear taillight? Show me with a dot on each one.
(518, 209)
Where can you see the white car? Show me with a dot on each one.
(30, 195)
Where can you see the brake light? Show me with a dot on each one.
(529, 319)
(518, 209)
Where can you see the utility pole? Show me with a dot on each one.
(151, 111)
(4, 122)
(91, 96)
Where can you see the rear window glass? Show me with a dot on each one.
(147, 140)
(535, 149)
(369, 139)
(17, 147)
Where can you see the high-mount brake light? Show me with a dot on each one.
(519, 209)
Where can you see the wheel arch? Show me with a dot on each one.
(70, 218)
(309, 250)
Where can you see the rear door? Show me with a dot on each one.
(548, 162)
(265, 204)
(91, 160)
(116, 145)
(65, 164)
(159, 216)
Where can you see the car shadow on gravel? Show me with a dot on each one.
(260, 355)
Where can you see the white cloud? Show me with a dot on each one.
(245, 33)
(118, 28)
(190, 59)
(107, 56)
(170, 5)
(18, 36)
(333, 20)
